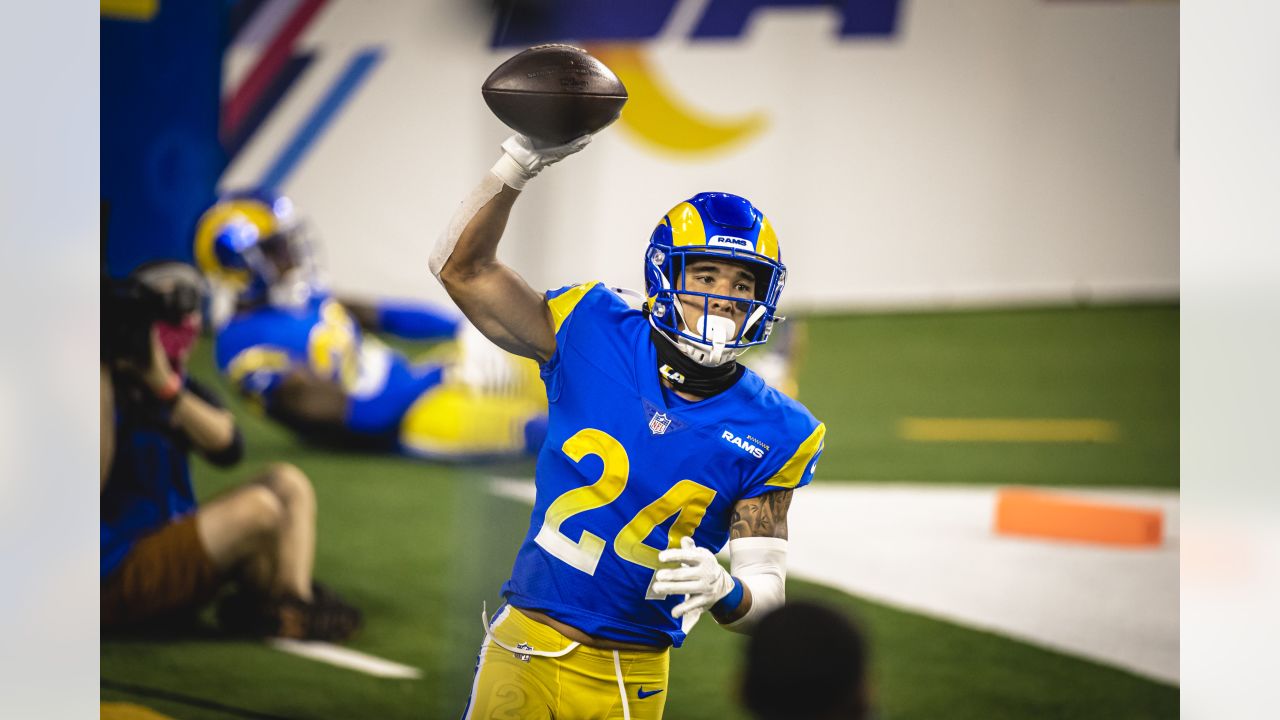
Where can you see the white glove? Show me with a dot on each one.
(522, 158)
(700, 579)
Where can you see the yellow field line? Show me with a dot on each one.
(1044, 430)
(128, 711)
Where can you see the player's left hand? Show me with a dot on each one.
(700, 578)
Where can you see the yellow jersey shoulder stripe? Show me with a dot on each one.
(793, 471)
(563, 304)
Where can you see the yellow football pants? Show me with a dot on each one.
(453, 421)
(528, 671)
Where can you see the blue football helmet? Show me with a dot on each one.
(726, 228)
(253, 243)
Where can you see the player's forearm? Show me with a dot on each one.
(408, 319)
(759, 566)
(475, 251)
(492, 296)
(210, 429)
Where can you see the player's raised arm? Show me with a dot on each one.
(493, 296)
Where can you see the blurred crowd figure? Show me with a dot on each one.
(310, 361)
(806, 661)
(163, 555)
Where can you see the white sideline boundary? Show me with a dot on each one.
(345, 658)
(931, 550)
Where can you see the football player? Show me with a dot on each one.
(305, 358)
(661, 449)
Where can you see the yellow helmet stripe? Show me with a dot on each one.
(256, 358)
(686, 226)
(213, 221)
(767, 241)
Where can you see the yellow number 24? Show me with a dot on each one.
(687, 498)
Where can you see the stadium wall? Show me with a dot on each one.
(948, 153)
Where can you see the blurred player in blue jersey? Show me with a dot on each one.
(305, 357)
(661, 449)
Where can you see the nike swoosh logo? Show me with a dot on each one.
(640, 693)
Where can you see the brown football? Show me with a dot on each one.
(554, 93)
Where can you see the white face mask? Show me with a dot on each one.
(719, 331)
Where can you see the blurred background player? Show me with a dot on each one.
(310, 361)
(651, 418)
(162, 555)
(806, 661)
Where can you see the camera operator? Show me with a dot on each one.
(162, 556)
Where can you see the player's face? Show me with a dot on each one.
(278, 252)
(717, 277)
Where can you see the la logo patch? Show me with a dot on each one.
(659, 423)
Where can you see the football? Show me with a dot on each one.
(554, 93)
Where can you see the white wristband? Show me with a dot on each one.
(511, 172)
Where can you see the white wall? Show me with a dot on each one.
(995, 151)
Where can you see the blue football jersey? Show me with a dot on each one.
(258, 348)
(628, 468)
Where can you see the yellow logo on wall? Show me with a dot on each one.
(658, 118)
(616, 31)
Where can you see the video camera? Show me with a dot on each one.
(164, 291)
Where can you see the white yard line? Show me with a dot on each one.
(345, 658)
(930, 549)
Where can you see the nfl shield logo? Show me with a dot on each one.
(659, 423)
(521, 656)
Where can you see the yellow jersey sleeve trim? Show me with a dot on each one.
(564, 303)
(793, 471)
(253, 359)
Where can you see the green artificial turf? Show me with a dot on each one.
(420, 546)
(863, 373)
